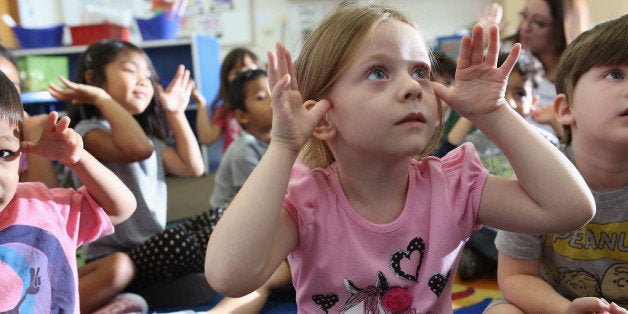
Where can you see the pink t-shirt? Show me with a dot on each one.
(345, 263)
(40, 230)
(229, 125)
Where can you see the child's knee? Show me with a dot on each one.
(116, 269)
(122, 267)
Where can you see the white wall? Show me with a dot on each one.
(437, 17)
(285, 20)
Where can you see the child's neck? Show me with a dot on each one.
(604, 170)
(378, 194)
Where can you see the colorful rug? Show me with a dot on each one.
(473, 297)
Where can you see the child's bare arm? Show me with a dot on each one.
(520, 282)
(208, 132)
(185, 159)
(58, 142)
(255, 234)
(459, 132)
(549, 194)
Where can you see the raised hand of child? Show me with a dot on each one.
(175, 98)
(76, 93)
(293, 120)
(479, 85)
(57, 141)
(545, 115)
(198, 98)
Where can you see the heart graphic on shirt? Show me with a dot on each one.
(325, 301)
(416, 245)
(437, 283)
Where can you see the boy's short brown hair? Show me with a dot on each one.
(603, 45)
(11, 109)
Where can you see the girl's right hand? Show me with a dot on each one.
(77, 93)
(293, 120)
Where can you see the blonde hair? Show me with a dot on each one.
(328, 52)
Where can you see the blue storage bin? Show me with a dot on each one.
(164, 25)
(39, 37)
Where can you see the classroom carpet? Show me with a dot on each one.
(468, 298)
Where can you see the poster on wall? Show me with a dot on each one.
(229, 21)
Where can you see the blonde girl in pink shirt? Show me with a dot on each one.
(368, 224)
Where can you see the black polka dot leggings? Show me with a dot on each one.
(175, 252)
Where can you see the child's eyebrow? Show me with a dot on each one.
(9, 139)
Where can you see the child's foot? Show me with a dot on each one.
(124, 303)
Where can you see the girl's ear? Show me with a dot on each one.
(89, 75)
(562, 109)
(241, 116)
(325, 130)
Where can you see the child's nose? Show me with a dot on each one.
(410, 88)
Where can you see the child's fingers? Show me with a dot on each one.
(477, 44)
(290, 69)
(319, 109)
(273, 76)
(510, 62)
(51, 121)
(464, 54)
(63, 124)
(191, 85)
(67, 82)
(493, 46)
(279, 88)
(441, 91)
(282, 65)
(185, 76)
(27, 147)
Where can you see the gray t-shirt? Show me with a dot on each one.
(493, 159)
(590, 261)
(146, 179)
(235, 167)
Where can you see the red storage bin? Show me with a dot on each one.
(89, 34)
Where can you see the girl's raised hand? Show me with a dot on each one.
(293, 120)
(175, 98)
(75, 92)
(479, 86)
(57, 141)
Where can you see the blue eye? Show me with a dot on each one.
(377, 74)
(614, 75)
(420, 74)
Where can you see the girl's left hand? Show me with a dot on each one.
(176, 96)
(57, 141)
(479, 85)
